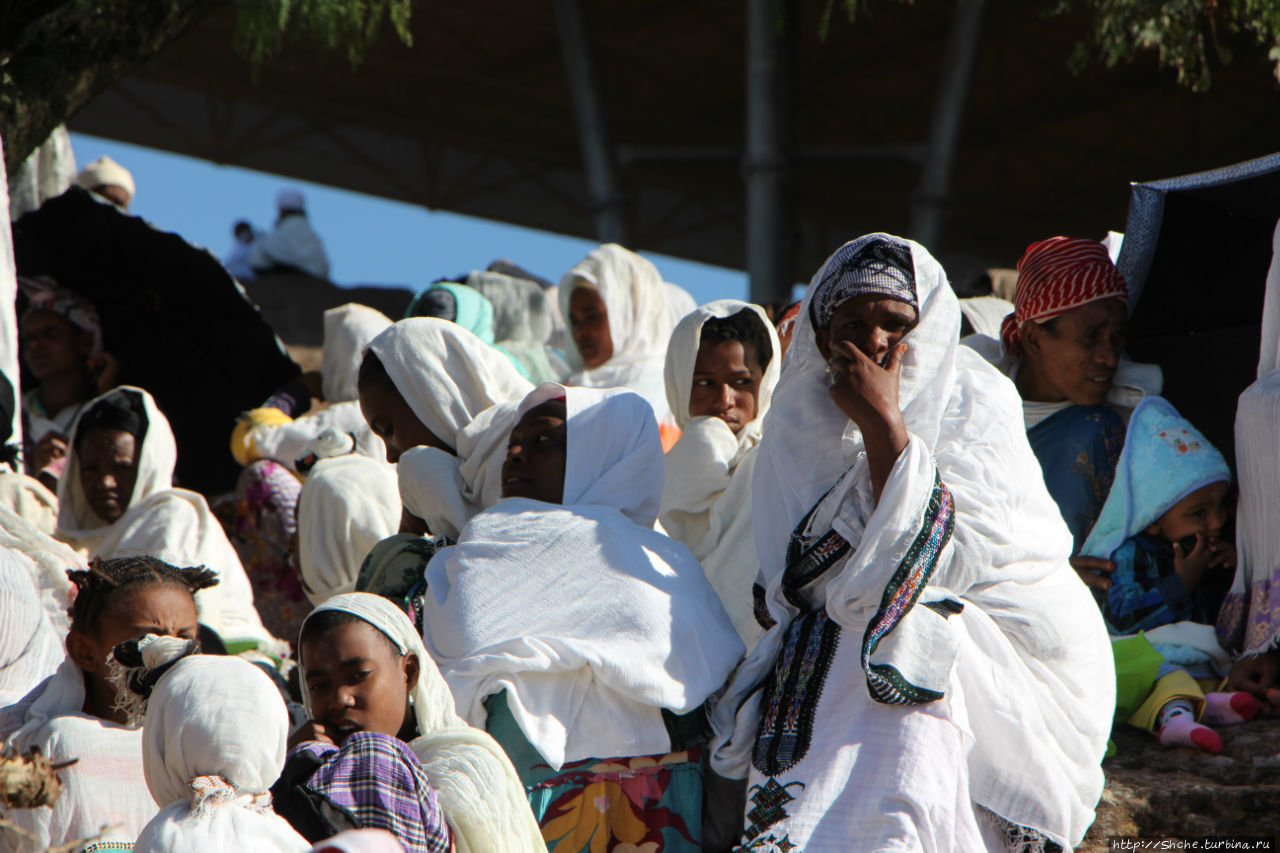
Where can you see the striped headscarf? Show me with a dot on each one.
(1056, 276)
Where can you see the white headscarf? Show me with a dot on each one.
(522, 320)
(706, 503)
(26, 496)
(162, 521)
(590, 665)
(348, 504)
(1027, 661)
(479, 791)
(446, 374)
(30, 645)
(348, 329)
(640, 322)
(213, 743)
(985, 314)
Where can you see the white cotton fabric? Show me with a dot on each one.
(985, 314)
(348, 329)
(348, 504)
(162, 521)
(680, 303)
(1132, 380)
(479, 790)
(465, 392)
(215, 716)
(1026, 668)
(31, 646)
(706, 503)
(293, 243)
(46, 560)
(46, 173)
(446, 374)
(1269, 353)
(590, 620)
(1257, 533)
(104, 787)
(27, 497)
(640, 323)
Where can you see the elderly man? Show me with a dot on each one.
(292, 244)
(1062, 347)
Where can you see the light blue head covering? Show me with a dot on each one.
(1164, 459)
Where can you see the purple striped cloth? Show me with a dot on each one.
(379, 780)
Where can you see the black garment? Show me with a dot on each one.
(313, 816)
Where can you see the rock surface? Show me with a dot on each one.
(1163, 791)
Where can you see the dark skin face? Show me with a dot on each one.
(357, 682)
(52, 346)
(1074, 356)
(864, 351)
(108, 471)
(117, 195)
(1200, 515)
(726, 383)
(165, 609)
(536, 455)
(589, 325)
(392, 420)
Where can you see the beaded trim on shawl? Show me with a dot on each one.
(886, 684)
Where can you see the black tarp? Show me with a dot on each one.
(1195, 254)
(178, 322)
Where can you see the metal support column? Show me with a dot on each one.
(598, 156)
(767, 166)
(929, 203)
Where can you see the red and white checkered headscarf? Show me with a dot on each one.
(1056, 276)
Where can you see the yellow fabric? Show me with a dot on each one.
(1176, 685)
(242, 446)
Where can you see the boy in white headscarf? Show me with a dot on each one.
(938, 677)
(722, 365)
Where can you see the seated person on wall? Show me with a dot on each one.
(292, 245)
(106, 178)
(1063, 348)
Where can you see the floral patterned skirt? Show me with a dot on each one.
(636, 804)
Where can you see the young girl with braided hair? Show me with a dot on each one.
(72, 714)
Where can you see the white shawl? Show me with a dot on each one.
(213, 716)
(348, 329)
(104, 787)
(348, 504)
(1027, 664)
(589, 619)
(31, 645)
(1269, 350)
(640, 323)
(522, 320)
(479, 791)
(706, 503)
(450, 378)
(46, 560)
(172, 524)
(26, 496)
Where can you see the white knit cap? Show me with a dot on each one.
(106, 172)
(290, 199)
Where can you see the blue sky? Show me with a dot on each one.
(370, 240)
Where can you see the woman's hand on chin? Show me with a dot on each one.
(868, 394)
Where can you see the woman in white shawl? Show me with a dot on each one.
(122, 504)
(582, 639)
(722, 364)
(620, 319)
(349, 503)
(213, 741)
(430, 384)
(938, 677)
(473, 781)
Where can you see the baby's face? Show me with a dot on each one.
(1204, 511)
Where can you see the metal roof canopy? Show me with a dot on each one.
(479, 117)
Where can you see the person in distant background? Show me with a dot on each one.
(107, 178)
(292, 244)
(237, 260)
